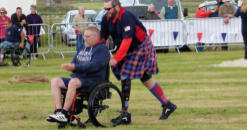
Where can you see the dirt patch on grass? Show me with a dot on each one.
(27, 79)
(233, 63)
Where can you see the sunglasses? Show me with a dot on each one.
(108, 9)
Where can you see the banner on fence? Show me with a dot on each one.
(213, 30)
(167, 33)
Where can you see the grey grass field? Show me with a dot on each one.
(208, 97)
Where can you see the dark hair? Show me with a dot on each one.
(18, 8)
(114, 2)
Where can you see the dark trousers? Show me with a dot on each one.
(224, 47)
(79, 41)
(200, 46)
(33, 47)
(245, 44)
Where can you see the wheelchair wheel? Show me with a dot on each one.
(21, 56)
(105, 103)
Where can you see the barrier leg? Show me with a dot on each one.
(43, 56)
(196, 49)
(178, 50)
(62, 55)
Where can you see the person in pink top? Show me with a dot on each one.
(3, 19)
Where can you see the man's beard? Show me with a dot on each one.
(113, 14)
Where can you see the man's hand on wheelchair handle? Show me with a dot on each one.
(21, 45)
(68, 67)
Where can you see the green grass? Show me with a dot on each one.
(208, 98)
(89, 5)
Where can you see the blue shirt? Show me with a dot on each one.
(13, 34)
(91, 62)
(243, 19)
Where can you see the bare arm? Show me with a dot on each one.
(21, 45)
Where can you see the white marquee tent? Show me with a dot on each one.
(10, 5)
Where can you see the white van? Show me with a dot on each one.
(68, 33)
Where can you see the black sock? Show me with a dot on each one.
(65, 112)
(57, 110)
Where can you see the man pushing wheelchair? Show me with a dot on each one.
(135, 57)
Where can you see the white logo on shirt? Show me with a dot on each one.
(127, 28)
(84, 56)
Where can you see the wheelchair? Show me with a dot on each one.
(103, 101)
(19, 56)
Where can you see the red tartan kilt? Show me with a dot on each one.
(140, 60)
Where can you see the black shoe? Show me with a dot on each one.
(124, 118)
(168, 108)
(50, 119)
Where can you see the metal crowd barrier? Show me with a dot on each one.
(63, 37)
(167, 33)
(39, 36)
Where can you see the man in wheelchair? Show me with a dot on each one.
(88, 66)
(14, 37)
